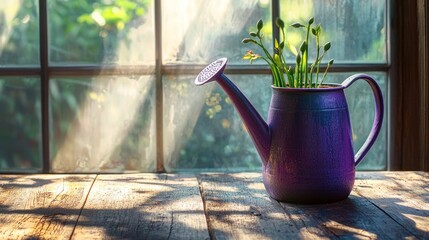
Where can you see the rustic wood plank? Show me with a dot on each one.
(143, 206)
(354, 218)
(404, 196)
(386, 205)
(41, 206)
(238, 207)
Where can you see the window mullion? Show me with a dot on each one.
(275, 13)
(158, 89)
(44, 81)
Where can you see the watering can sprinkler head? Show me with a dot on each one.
(212, 72)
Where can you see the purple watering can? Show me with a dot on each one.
(306, 145)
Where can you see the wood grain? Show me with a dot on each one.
(353, 218)
(143, 206)
(238, 207)
(383, 205)
(409, 86)
(41, 206)
(403, 196)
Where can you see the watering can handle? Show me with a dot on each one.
(378, 117)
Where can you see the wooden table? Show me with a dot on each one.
(384, 205)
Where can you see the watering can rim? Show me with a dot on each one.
(329, 87)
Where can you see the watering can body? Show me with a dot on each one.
(306, 144)
(311, 154)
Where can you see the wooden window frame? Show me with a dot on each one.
(409, 88)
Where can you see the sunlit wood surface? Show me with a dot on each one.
(383, 205)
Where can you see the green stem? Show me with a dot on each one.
(271, 62)
(296, 81)
(318, 67)
(324, 75)
(303, 69)
(317, 73)
(288, 73)
(316, 62)
(272, 70)
(306, 55)
(312, 68)
(290, 80)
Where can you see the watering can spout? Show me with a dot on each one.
(255, 124)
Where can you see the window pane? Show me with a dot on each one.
(19, 33)
(356, 29)
(97, 31)
(203, 130)
(20, 124)
(103, 124)
(201, 31)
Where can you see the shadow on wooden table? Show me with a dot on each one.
(162, 206)
(104, 206)
(238, 206)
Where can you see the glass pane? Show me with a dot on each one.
(98, 31)
(20, 124)
(19, 33)
(356, 29)
(201, 31)
(202, 129)
(104, 124)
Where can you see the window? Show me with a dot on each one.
(96, 85)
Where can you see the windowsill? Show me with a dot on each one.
(202, 206)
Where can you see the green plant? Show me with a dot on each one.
(284, 75)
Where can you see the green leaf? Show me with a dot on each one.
(247, 40)
(277, 59)
(253, 34)
(280, 23)
(314, 31)
(260, 24)
(327, 46)
(303, 47)
(311, 21)
(292, 49)
(297, 25)
(298, 58)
